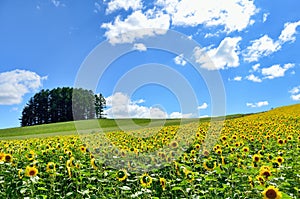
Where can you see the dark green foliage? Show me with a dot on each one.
(61, 105)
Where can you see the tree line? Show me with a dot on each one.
(61, 105)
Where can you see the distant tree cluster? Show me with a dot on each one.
(61, 105)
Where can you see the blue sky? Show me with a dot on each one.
(253, 46)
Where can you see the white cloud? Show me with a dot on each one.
(257, 104)
(121, 106)
(15, 84)
(237, 78)
(180, 115)
(296, 97)
(115, 5)
(139, 47)
(263, 46)
(234, 15)
(276, 70)
(289, 31)
(256, 67)
(203, 106)
(265, 17)
(295, 90)
(295, 93)
(137, 25)
(253, 78)
(226, 54)
(180, 60)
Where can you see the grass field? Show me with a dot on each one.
(251, 156)
(69, 128)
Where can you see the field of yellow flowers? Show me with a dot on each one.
(255, 156)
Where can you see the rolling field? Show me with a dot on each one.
(254, 156)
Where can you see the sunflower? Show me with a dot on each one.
(219, 151)
(197, 146)
(260, 179)
(31, 171)
(256, 158)
(72, 162)
(94, 163)
(7, 158)
(83, 149)
(271, 193)
(245, 149)
(145, 180)
(2, 156)
(30, 155)
(205, 152)
(192, 153)
(280, 160)
(250, 180)
(69, 171)
(189, 175)
(209, 165)
(122, 175)
(280, 141)
(174, 144)
(50, 167)
(20, 173)
(265, 173)
(163, 183)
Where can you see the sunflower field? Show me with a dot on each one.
(255, 156)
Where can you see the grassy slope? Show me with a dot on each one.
(68, 128)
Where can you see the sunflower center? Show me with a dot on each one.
(7, 158)
(31, 173)
(121, 174)
(146, 179)
(271, 194)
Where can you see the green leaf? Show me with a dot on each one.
(69, 193)
(177, 188)
(285, 196)
(42, 189)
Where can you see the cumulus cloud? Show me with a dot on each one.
(276, 70)
(203, 106)
(237, 78)
(253, 78)
(115, 5)
(265, 45)
(234, 15)
(255, 67)
(295, 93)
(225, 55)
(180, 115)
(136, 25)
(139, 47)
(15, 84)
(121, 106)
(179, 60)
(257, 104)
(289, 31)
